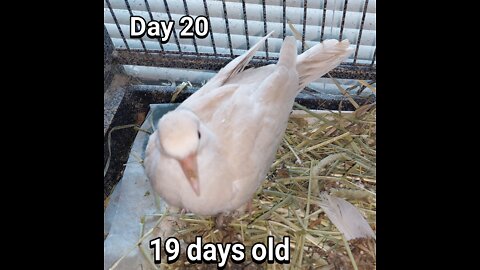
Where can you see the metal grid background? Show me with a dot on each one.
(178, 57)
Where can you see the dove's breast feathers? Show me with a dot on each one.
(245, 114)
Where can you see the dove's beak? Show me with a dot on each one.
(190, 169)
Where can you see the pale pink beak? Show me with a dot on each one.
(190, 169)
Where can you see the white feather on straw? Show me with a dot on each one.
(346, 217)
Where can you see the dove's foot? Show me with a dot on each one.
(222, 220)
(173, 209)
(249, 207)
(219, 221)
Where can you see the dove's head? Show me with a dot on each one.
(179, 134)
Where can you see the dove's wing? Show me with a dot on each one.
(234, 67)
(215, 91)
(252, 123)
(252, 120)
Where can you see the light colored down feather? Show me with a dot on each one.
(240, 117)
(346, 217)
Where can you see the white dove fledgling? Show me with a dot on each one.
(212, 153)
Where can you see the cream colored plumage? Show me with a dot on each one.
(212, 153)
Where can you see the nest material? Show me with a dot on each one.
(333, 152)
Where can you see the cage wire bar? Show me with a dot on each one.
(216, 60)
(264, 9)
(147, 5)
(118, 26)
(345, 5)
(362, 22)
(210, 27)
(188, 14)
(324, 16)
(131, 14)
(304, 24)
(245, 24)
(170, 18)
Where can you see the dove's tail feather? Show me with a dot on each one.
(288, 53)
(320, 59)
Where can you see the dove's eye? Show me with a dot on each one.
(199, 135)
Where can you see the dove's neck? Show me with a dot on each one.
(209, 139)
